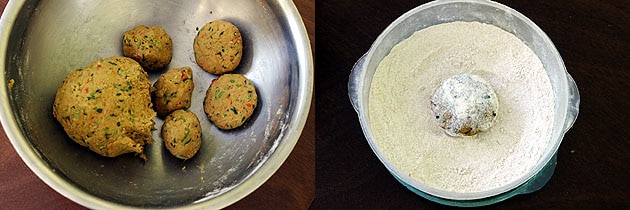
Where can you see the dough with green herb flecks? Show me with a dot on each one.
(182, 134)
(173, 90)
(151, 46)
(218, 47)
(107, 107)
(230, 101)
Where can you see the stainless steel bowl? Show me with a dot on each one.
(43, 41)
(443, 11)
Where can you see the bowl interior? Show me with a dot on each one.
(488, 12)
(48, 40)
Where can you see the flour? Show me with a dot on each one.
(403, 126)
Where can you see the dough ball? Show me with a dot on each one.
(464, 105)
(151, 46)
(107, 107)
(173, 90)
(182, 134)
(218, 47)
(230, 101)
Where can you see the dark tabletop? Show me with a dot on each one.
(291, 187)
(593, 160)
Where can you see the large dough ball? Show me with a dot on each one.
(107, 106)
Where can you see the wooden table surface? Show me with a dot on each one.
(291, 187)
(593, 160)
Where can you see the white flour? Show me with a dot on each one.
(405, 132)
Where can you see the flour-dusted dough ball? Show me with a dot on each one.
(107, 107)
(230, 101)
(151, 46)
(218, 47)
(173, 90)
(464, 105)
(182, 134)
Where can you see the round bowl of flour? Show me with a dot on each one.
(392, 85)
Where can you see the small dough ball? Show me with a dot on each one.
(465, 105)
(230, 101)
(151, 46)
(173, 90)
(107, 107)
(218, 47)
(182, 134)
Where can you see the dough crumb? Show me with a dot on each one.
(10, 84)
